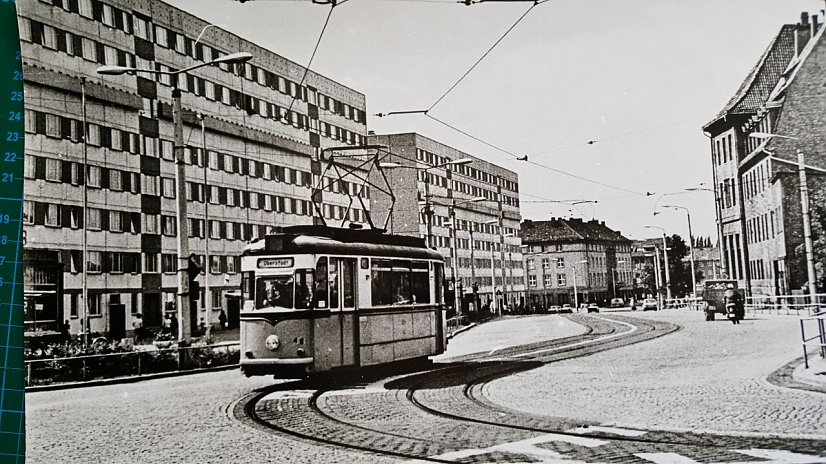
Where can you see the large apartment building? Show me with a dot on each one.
(99, 157)
(568, 257)
(475, 199)
(757, 184)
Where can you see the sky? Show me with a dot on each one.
(637, 78)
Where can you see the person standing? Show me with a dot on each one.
(137, 326)
(222, 319)
(166, 327)
(173, 325)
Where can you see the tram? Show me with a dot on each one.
(318, 298)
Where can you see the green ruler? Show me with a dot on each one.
(12, 134)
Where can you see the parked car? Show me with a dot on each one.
(554, 309)
(617, 303)
(649, 303)
(566, 308)
(593, 308)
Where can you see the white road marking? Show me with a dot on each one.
(287, 394)
(586, 342)
(781, 456)
(666, 458)
(767, 456)
(612, 430)
(355, 391)
(529, 448)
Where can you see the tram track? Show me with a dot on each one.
(430, 416)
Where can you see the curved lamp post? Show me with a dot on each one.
(665, 258)
(690, 246)
(184, 326)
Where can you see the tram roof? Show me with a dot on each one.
(315, 239)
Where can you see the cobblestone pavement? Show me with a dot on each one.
(710, 376)
(173, 420)
(186, 419)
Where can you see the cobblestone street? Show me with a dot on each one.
(653, 385)
(710, 376)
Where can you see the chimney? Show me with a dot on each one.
(802, 33)
(815, 25)
(371, 132)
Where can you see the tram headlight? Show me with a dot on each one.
(272, 342)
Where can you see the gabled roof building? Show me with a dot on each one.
(757, 187)
(568, 257)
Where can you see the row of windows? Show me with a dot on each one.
(117, 262)
(761, 227)
(756, 180)
(485, 264)
(142, 27)
(561, 280)
(753, 142)
(464, 187)
(75, 45)
(466, 170)
(723, 150)
(758, 269)
(96, 301)
(546, 263)
(38, 122)
(467, 225)
(731, 251)
(728, 193)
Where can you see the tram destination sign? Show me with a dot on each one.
(275, 262)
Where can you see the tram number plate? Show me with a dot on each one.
(275, 262)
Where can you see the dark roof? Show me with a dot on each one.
(568, 230)
(761, 80)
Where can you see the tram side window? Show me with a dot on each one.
(333, 282)
(420, 282)
(394, 282)
(381, 278)
(248, 286)
(304, 279)
(320, 293)
(274, 291)
(348, 290)
(438, 278)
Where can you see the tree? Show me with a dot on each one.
(679, 273)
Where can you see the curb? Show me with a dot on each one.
(785, 377)
(463, 329)
(122, 380)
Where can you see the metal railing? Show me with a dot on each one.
(679, 303)
(454, 323)
(785, 304)
(48, 371)
(818, 340)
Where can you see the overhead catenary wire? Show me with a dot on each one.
(312, 57)
(483, 56)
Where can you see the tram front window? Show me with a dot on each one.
(274, 292)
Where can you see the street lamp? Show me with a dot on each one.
(719, 214)
(576, 297)
(804, 205)
(184, 326)
(665, 259)
(690, 246)
(453, 251)
(428, 212)
(615, 278)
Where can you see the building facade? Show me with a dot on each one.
(757, 184)
(561, 255)
(476, 200)
(99, 154)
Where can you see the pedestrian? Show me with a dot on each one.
(202, 327)
(222, 319)
(64, 332)
(731, 296)
(173, 325)
(166, 325)
(137, 326)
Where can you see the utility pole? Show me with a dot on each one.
(184, 325)
(807, 227)
(207, 293)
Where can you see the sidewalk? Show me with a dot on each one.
(815, 375)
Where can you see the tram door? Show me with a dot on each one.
(336, 291)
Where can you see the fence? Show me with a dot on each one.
(818, 340)
(785, 304)
(677, 303)
(131, 363)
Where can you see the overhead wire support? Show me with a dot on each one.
(333, 5)
(390, 113)
(483, 56)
